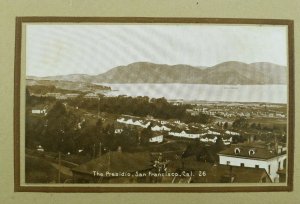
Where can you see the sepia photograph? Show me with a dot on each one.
(189, 104)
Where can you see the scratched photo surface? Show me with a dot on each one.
(156, 103)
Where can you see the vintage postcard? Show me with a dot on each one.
(153, 104)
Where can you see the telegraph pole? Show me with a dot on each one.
(94, 151)
(98, 107)
(100, 150)
(98, 119)
(108, 160)
(59, 166)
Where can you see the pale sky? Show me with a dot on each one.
(95, 48)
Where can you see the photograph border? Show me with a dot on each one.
(17, 102)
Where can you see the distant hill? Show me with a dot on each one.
(69, 77)
(230, 73)
(35, 84)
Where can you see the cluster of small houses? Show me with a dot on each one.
(203, 133)
(246, 162)
(231, 113)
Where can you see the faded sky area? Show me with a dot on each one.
(95, 48)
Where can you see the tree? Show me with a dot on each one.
(253, 126)
(27, 96)
(57, 111)
(146, 134)
(141, 106)
(225, 126)
(258, 126)
(127, 139)
(219, 144)
(58, 135)
(99, 129)
(240, 123)
(109, 137)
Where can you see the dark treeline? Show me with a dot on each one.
(140, 106)
(59, 129)
(34, 100)
(243, 123)
(43, 89)
(264, 132)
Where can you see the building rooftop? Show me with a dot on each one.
(250, 151)
(217, 173)
(117, 162)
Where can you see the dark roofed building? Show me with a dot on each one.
(253, 156)
(244, 151)
(216, 173)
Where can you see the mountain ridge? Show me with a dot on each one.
(227, 73)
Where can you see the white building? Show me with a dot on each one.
(163, 122)
(209, 138)
(227, 141)
(39, 111)
(91, 95)
(184, 134)
(131, 122)
(160, 128)
(232, 133)
(255, 157)
(176, 102)
(40, 148)
(213, 139)
(213, 132)
(157, 139)
(204, 139)
(72, 95)
(118, 130)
